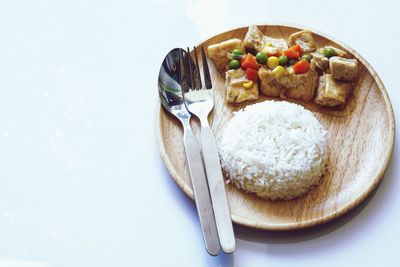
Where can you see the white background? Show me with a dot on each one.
(81, 181)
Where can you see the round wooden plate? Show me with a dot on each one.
(361, 139)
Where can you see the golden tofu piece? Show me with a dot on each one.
(289, 85)
(219, 53)
(236, 92)
(339, 52)
(254, 39)
(269, 85)
(343, 69)
(304, 39)
(331, 92)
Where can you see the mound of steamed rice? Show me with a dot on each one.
(277, 150)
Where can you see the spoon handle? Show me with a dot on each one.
(201, 193)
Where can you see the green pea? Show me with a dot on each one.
(307, 57)
(292, 61)
(283, 60)
(234, 64)
(237, 53)
(261, 58)
(329, 52)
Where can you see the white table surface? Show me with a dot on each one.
(81, 181)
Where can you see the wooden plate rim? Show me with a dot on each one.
(295, 225)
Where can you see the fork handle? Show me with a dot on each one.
(201, 193)
(217, 189)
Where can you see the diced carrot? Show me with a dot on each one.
(250, 62)
(301, 67)
(297, 48)
(291, 53)
(252, 75)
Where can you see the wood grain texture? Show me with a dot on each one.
(360, 137)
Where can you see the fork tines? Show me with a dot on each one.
(206, 71)
(190, 70)
(197, 78)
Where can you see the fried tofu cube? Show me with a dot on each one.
(235, 85)
(289, 85)
(331, 92)
(254, 39)
(343, 69)
(304, 39)
(219, 53)
(304, 85)
(269, 85)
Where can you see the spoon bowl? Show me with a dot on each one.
(169, 88)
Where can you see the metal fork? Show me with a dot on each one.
(199, 100)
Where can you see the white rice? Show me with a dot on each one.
(277, 150)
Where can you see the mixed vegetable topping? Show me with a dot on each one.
(280, 62)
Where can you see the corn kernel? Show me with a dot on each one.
(279, 71)
(272, 62)
(248, 85)
(269, 44)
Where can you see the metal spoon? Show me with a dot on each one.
(170, 93)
